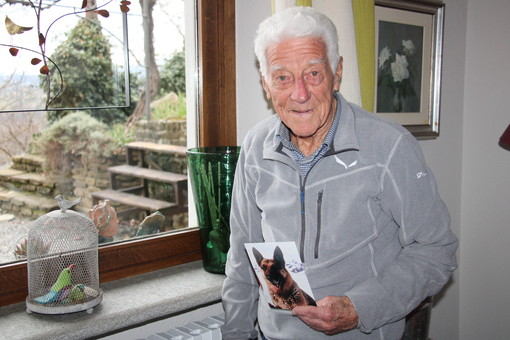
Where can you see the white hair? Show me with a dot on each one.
(293, 23)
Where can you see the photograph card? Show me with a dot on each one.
(281, 274)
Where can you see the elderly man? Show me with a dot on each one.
(351, 189)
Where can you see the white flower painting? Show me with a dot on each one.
(399, 67)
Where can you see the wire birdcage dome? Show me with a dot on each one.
(62, 262)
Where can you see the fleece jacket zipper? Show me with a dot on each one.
(318, 235)
(303, 222)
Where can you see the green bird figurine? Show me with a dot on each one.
(77, 294)
(63, 281)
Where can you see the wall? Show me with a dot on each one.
(161, 131)
(252, 106)
(484, 252)
(443, 154)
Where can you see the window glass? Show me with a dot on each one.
(84, 152)
(43, 44)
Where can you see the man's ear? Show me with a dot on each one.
(265, 86)
(338, 74)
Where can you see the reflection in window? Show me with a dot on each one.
(124, 163)
(44, 44)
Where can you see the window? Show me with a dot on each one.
(216, 126)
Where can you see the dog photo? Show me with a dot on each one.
(281, 274)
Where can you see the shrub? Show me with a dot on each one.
(75, 138)
(169, 107)
(173, 74)
(84, 59)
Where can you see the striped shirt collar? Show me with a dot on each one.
(306, 163)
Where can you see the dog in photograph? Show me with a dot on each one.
(284, 291)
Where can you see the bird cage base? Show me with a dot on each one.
(66, 309)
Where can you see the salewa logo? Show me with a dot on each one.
(421, 174)
(339, 161)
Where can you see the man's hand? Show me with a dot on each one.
(333, 315)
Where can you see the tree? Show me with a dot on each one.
(150, 59)
(173, 74)
(84, 59)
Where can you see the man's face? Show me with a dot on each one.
(301, 86)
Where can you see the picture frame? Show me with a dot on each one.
(408, 45)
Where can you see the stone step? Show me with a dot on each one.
(28, 162)
(26, 203)
(27, 181)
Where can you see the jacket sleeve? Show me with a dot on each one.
(427, 258)
(240, 290)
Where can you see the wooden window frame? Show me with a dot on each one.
(217, 126)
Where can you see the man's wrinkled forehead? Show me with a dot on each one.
(275, 68)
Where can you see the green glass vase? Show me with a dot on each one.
(211, 172)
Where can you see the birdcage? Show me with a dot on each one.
(62, 261)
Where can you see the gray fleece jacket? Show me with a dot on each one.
(367, 220)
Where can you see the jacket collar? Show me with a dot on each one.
(345, 136)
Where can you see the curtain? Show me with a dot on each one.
(363, 11)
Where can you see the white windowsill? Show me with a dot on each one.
(127, 303)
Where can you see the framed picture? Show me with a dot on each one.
(408, 38)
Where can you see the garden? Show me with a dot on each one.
(68, 150)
